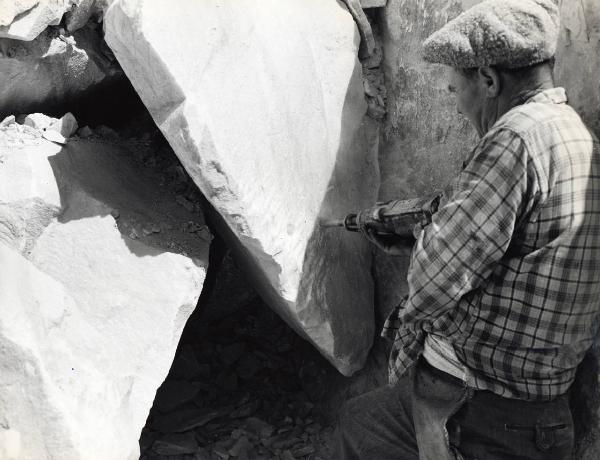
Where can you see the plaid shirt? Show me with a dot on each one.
(508, 272)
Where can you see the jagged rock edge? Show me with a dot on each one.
(166, 115)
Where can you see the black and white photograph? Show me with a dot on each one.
(299, 230)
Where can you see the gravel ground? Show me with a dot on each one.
(249, 388)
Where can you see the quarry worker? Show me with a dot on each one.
(504, 284)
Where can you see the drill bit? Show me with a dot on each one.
(328, 223)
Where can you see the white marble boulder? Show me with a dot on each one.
(263, 103)
(98, 279)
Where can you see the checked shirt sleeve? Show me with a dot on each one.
(468, 235)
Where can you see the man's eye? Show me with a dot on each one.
(452, 89)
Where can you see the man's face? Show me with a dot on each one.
(470, 97)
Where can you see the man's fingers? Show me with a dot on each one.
(376, 240)
(371, 236)
(417, 229)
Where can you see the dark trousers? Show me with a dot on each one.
(430, 415)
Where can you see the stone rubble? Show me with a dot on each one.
(283, 409)
(83, 11)
(84, 132)
(53, 129)
(89, 318)
(175, 444)
(66, 125)
(38, 121)
(54, 136)
(269, 413)
(55, 70)
(11, 119)
(275, 136)
(27, 19)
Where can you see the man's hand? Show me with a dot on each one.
(393, 245)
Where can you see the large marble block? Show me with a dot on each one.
(97, 279)
(263, 103)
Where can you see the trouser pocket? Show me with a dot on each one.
(546, 436)
(492, 427)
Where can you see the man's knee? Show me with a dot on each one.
(351, 414)
(376, 424)
(348, 431)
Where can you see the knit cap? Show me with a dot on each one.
(505, 33)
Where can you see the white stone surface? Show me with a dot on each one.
(8, 121)
(39, 121)
(262, 101)
(66, 125)
(11, 8)
(30, 18)
(53, 129)
(89, 316)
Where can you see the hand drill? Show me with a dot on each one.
(396, 217)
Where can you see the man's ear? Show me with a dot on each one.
(489, 78)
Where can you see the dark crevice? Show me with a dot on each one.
(217, 253)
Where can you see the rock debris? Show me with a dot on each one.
(249, 388)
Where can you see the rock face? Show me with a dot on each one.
(83, 11)
(577, 68)
(263, 103)
(9, 9)
(99, 277)
(26, 19)
(53, 71)
(578, 60)
(425, 138)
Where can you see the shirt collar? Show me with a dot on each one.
(553, 95)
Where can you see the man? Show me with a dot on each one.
(504, 284)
